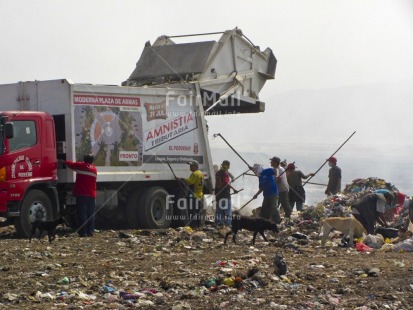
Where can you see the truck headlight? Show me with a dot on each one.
(2, 174)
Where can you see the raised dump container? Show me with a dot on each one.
(230, 72)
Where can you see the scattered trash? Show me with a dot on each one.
(280, 266)
(185, 268)
(64, 280)
(404, 246)
(373, 241)
(361, 247)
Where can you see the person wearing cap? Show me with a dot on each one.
(395, 208)
(282, 185)
(371, 208)
(222, 195)
(296, 193)
(284, 164)
(334, 177)
(268, 187)
(196, 194)
(85, 192)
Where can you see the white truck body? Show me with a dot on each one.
(131, 131)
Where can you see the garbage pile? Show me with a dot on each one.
(339, 205)
(397, 215)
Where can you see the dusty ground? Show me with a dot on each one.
(166, 269)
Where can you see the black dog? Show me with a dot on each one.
(48, 226)
(255, 224)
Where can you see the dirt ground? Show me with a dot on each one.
(172, 269)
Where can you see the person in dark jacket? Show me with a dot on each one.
(85, 193)
(334, 177)
(296, 193)
(371, 209)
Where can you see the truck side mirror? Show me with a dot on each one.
(9, 130)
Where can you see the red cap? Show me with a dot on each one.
(290, 166)
(332, 159)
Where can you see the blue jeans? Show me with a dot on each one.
(86, 215)
(223, 212)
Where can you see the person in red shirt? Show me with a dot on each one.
(85, 193)
(223, 195)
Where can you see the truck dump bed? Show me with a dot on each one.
(230, 72)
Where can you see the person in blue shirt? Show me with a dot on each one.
(268, 187)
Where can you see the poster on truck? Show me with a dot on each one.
(109, 127)
(122, 130)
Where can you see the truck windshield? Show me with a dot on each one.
(24, 135)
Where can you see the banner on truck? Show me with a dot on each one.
(119, 131)
(169, 130)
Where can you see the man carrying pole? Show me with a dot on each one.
(329, 158)
(196, 195)
(223, 195)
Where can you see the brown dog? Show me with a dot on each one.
(255, 224)
(349, 226)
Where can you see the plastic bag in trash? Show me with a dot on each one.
(406, 246)
(374, 241)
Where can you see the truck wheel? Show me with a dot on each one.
(132, 209)
(154, 209)
(36, 206)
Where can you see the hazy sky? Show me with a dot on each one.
(320, 45)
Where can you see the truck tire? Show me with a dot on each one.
(132, 209)
(154, 211)
(36, 206)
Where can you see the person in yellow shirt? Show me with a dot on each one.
(195, 184)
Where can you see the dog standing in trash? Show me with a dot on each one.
(255, 224)
(349, 226)
(48, 226)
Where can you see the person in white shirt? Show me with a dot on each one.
(282, 185)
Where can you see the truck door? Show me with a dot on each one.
(25, 152)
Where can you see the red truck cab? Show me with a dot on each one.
(28, 168)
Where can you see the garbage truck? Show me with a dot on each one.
(142, 132)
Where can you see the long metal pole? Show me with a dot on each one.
(246, 204)
(242, 174)
(231, 182)
(329, 157)
(218, 134)
(317, 184)
(179, 182)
